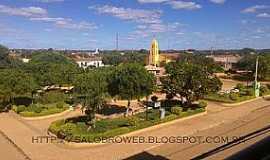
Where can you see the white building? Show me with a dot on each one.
(89, 62)
(25, 60)
(227, 61)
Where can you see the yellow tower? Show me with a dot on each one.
(153, 58)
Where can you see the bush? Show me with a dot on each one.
(133, 121)
(234, 96)
(249, 92)
(268, 86)
(202, 104)
(60, 105)
(263, 90)
(56, 126)
(38, 109)
(68, 129)
(240, 86)
(176, 110)
(20, 109)
(52, 97)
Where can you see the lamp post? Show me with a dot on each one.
(257, 84)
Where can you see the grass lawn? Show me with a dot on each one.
(245, 93)
(226, 98)
(37, 110)
(75, 129)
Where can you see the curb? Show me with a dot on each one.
(46, 117)
(83, 145)
(244, 102)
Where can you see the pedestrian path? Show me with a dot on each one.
(22, 131)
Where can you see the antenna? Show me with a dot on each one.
(168, 34)
(117, 41)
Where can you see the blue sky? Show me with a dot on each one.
(177, 24)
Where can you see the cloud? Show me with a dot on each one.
(24, 12)
(184, 5)
(78, 26)
(255, 8)
(218, 1)
(263, 15)
(152, 1)
(67, 23)
(188, 5)
(49, 19)
(129, 14)
(48, 1)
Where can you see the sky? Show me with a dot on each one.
(176, 24)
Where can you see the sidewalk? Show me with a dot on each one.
(21, 133)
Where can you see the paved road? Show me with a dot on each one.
(21, 132)
(9, 151)
(252, 122)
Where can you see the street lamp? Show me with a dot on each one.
(257, 84)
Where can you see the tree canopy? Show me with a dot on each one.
(52, 68)
(189, 81)
(116, 58)
(91, 90)
(6, 61)
(248, 62)
(131, 81)
(16, 82)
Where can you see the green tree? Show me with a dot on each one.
(189, 81)
(205, 62)
(91, 90)
(115, 58)
(16, 83)
(131, 81)
(6, 61)
(248, 62)
(50, 68)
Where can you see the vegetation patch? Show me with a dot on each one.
(72, 128)
(244, 93)
(36, 110)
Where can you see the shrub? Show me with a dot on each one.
(234, 96)
(60, 105)
(169, 118)
(202, 104)
(68, 129)
(31, 108)
(176, 110)
(52, 97)
(20, 108)
(133, 121)
(263, 90)
(268, 86)
(38, 109)
(240, 86)
(249, 92)
(56, 126)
